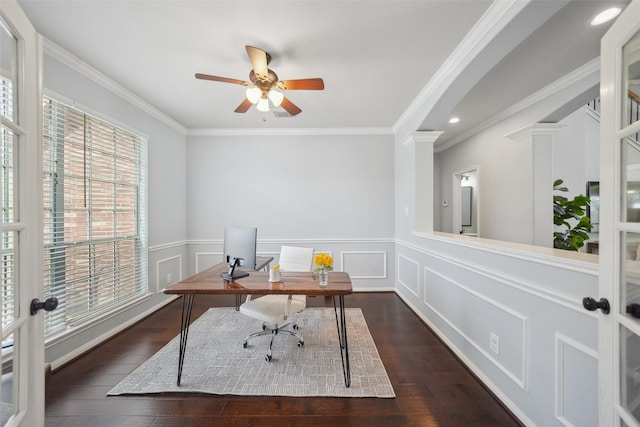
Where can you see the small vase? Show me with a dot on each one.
(323, 277)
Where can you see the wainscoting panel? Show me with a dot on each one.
(364, 264)
(408, 274)
(496, 331)
(168, 271)
(576, 383)
(515, 319)
(205, 260)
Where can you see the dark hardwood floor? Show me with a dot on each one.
(433, 388)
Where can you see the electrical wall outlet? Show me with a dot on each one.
(169, 278)
(494, 343)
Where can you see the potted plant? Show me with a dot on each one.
(576, 232)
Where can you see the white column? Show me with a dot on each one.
(539, 136)
(423, 143)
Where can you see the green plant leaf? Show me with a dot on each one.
(565, 209)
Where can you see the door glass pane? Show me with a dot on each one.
(8, 389)
(7, 174)
(631, 99)
(630, 188)
(630, 291)
(9, 302)
(630, 372)
(8, 71)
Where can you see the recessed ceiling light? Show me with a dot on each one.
(606, 16)
(454, 120)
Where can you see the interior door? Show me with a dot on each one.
(619, 286)
(22, 391)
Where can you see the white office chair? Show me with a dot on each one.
(274, 309)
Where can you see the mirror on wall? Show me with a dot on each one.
(465, 212)
(467, 194)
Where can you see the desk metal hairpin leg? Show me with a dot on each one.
(187, 305)
(341, 324)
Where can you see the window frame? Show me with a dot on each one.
(99, 289)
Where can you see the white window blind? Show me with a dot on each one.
(95, 210)
(7, 148)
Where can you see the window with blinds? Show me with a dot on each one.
(95, 210)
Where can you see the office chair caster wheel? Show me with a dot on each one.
(245, 344)
(295, 327)
(300, 344)
(264, 327)
(267, 358)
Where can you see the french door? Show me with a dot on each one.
(22, 391)
(619, 330)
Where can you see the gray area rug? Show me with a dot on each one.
(217, 363)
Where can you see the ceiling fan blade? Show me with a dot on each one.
(244, 106)
(302, 84)
(290, 107)
(222, 79)
(259, 61)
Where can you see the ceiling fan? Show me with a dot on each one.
(262, 85)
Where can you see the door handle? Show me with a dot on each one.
(592, 305)
(48, 305)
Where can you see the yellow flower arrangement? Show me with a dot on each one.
(324, 262)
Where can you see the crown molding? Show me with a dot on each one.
(75, 63)
(289, 131)
(428, 136)
(527, 133)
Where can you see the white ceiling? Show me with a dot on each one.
(375, 56)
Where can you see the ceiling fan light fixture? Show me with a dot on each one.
(263, 105)
(262, 80)
(253, 94)
(275, 97)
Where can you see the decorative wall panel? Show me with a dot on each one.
(496, 331)
(576, 383)
(408, 274)
(364, 264)
(168, 271)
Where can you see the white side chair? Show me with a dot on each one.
(272, 310)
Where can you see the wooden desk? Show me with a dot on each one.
(210, 282)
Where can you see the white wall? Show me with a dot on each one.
(332, 192)
(576, 158)
(505, 200)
